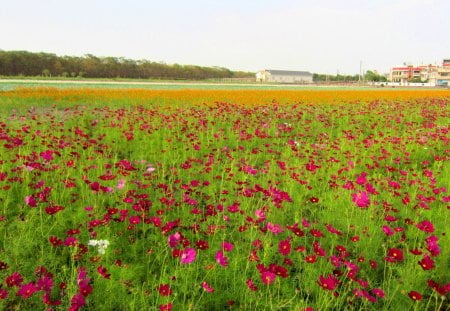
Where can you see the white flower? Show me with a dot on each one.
(101, 244)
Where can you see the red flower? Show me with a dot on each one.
(166, 307)
(3, 293)
(416, 296)
(328, 283)
(313, 200)
(394, 255)
(14, 279)
(202, 244)
(311, 258)
(284, 247)
(164, 290)
(426, 263)
(103, 272)
(267, 277)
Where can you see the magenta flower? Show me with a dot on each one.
(47, 300)
(328, 283)
(388, 230)
(378, 292)
(361, 199)
(45, 283)
(274, 228)
(251, 286)
(30, 201)
(425, 226)
(188, 256)
(426, 263)
(227, 246)
(221, 259)
(14, 279)
(173, 239)
(3, 293)
(394, 255)
(260, 215)
(267, 277)
(77, 302)
(120, 184)
(432, 245)
(27, 290)
(207, 288)
(47, 155)
(361, 180)
(284, 247)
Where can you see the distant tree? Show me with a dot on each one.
(46, 73)
(13, 63)
(374, 77)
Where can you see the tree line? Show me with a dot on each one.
(24, 63)
(369, 75)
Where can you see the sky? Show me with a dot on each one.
(320, 36)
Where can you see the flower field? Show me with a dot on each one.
(217, 199)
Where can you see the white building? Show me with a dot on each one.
(284, 76)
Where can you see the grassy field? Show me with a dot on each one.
(11, 84)
(134, 199)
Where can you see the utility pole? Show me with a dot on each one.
(360, 72)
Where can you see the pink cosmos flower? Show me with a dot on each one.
(188, 256)
(425, 226)
(221, 259)
(361, 199)
(432, 245)
(274, 228)
(260, 215)
(30, 201)
(227, 246)
(120, 184)
(47, 155)
(207, 288)
(251, 286)
(388, 230)
(361, 180)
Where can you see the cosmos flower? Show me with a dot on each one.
(207, 287)
(328, 283)
(361, 199)
(101, 244)
(188, 256)
(221, 259)
(164, 290)
(416, 296)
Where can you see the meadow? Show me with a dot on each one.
(133, 199)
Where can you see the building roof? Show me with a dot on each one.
(289, 72)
